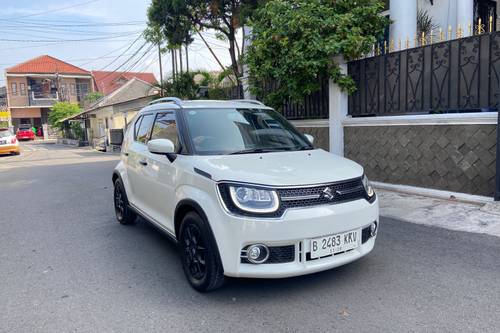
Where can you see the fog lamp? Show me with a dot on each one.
(257, 254)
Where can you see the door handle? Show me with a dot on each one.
(143, 162)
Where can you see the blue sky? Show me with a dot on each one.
(29, 28)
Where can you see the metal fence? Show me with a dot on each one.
(313, 106)
(452, 76)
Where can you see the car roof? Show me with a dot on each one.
(205, 104)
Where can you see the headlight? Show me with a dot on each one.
(370, 192)
(254, 200)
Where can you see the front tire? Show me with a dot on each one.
(123, 213)
(199, 255)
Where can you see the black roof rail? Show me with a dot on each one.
(174, 100)
(251, 101)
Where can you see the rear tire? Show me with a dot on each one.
(199, 255)
(123, 212)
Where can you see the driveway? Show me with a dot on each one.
(66, 265)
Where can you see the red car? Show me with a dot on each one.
(25, 133)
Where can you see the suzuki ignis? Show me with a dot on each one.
(242, 192)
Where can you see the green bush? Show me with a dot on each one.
(62, 110)
(294, 43)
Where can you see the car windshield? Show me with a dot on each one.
(242, 131)
(5, 133)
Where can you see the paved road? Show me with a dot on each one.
(67, 266)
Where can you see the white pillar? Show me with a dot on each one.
(465, 12)
(404, 17)
(337, 112)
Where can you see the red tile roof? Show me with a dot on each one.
(107, 82)
(46, 65)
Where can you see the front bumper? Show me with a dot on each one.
(297, 227)
(10, 149)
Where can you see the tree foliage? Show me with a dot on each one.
(62, 110)
(178, 20)
(294, 43)
(182, 86)
(93, 96)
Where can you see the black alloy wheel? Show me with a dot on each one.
(199, 255)
(123, 213)
(195, 251)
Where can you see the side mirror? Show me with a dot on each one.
(161, 146)
(310, 138)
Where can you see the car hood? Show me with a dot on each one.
(280, 168)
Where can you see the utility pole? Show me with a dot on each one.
(161, 69)
(173, 63)
(180, 57)
(176, 65)
(187, 59)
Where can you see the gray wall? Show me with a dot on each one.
(321, 136)
(459, 158)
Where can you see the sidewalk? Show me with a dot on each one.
(481, 218)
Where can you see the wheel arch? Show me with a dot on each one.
(116, 175)
(188, 205)
(183, 207)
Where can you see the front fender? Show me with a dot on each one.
(120, 171)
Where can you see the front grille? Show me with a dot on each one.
(296, 197)
(322, 195)
(277, 255)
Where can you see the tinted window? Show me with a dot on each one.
(145, 128)
(165, 127)
(225, 131)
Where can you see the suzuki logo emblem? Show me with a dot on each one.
(327, 193)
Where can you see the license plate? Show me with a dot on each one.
(325, 246)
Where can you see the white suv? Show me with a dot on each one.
(242, 192)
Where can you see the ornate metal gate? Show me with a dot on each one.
(451, 76)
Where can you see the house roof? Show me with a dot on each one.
(107, 82)
(46, 64)
(123, 95)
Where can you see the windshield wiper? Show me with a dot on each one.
(255, 151)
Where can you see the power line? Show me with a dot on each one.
(16, 24)
(126, 61)
(49, 11)
(128, 48)
(61, 40)
(58, 44)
